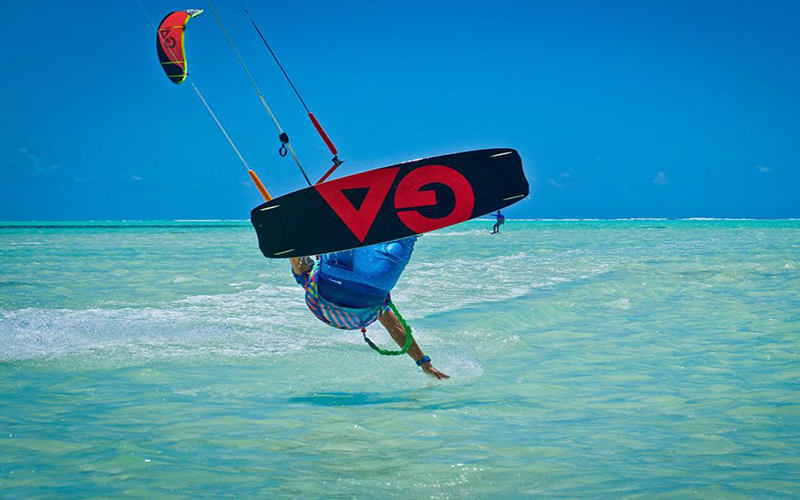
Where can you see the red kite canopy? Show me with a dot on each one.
(169, 43)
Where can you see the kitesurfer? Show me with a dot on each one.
(501, 219)
(350, 290)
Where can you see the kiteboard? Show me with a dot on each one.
(389, 203)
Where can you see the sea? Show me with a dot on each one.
(624, 359)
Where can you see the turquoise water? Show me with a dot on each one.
(593, 359)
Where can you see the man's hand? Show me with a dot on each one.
(398, 333)
(301, 265)
(433, 372)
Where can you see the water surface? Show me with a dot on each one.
(595, 359)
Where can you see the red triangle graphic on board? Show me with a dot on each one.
(360, 220)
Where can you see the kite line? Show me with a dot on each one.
(282, 136)
(331, 147)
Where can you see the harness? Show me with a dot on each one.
(344, 318)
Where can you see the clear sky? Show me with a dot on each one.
(618, 108)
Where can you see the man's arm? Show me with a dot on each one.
(398, 333)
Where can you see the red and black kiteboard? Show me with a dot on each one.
(389, 203)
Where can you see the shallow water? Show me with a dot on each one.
(601, 359)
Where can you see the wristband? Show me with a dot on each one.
(423, 360)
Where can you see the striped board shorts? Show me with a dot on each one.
(344, 318)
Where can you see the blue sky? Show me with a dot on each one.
(619, 109)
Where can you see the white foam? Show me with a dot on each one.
(263, 322)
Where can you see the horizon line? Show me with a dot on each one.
(566, 219)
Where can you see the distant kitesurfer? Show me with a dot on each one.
(501, 219)
(350, 290)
